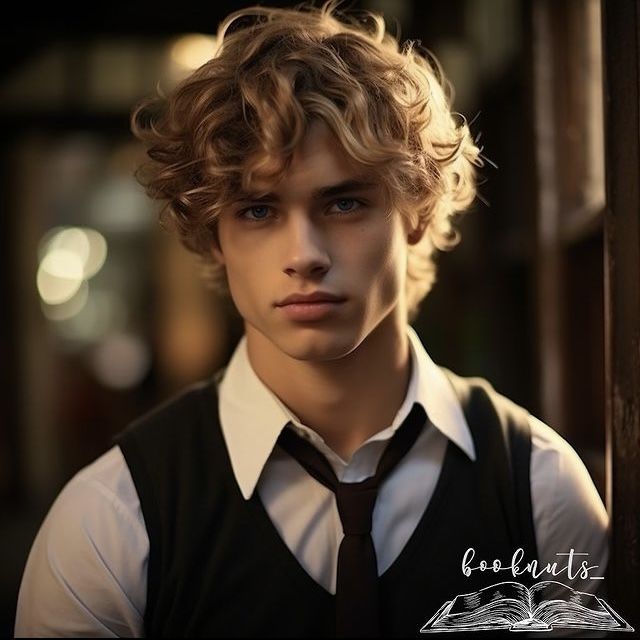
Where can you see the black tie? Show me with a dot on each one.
(357, 611)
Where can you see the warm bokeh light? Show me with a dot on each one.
(97, 252)
(70, 239)
(87, 244)
(103, 312)
(59, 276)
(193, 50)
(118, 204)
(70, 308)
(121, 361)
(68, 257)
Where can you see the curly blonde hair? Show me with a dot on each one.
(241, 115)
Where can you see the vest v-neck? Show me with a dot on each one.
(264, 520)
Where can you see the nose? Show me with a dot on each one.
(306, 253)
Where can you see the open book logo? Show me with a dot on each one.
(511, 605)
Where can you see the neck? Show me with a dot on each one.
(345, 400)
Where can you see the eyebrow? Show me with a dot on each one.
(321, 193)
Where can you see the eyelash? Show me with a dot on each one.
(241, 214)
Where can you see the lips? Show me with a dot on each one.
(312, 312)
(315, 297)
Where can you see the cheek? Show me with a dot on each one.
(382, 254)
(234, 255)
(243, 275)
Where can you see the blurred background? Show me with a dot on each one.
(104, 314)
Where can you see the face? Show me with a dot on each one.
(323, 227)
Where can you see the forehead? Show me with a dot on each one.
(318, 160)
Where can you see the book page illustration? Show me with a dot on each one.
(511, 605)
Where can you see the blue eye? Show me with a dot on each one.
(345, 205)
(259, 212)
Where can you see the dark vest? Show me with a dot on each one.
(218, 567)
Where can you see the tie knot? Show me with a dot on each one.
(355, 503)
(355, 500)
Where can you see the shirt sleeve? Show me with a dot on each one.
(568, 513)
(567, 508)
(86, 572)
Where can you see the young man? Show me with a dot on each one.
(332, 480)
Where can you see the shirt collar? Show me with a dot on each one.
(251, 428)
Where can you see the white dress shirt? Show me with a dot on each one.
(86, 574)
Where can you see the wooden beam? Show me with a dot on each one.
(549, 272)
(621, 52)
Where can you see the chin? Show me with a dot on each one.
(317, 346)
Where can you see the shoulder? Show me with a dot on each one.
(568, 511)
(557, 467)
(107, 481)
(87, 566)
(477, 395)
(100, 494)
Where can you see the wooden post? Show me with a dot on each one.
(621, 51)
